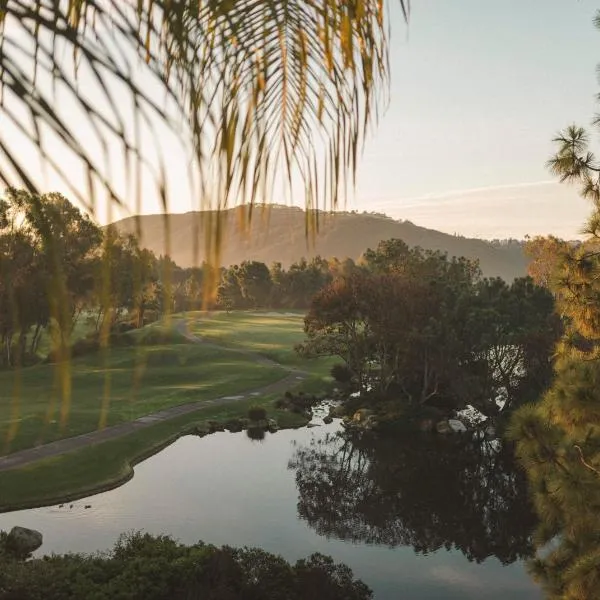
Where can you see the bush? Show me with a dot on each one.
(341, 373)
(144, 567)
(257, 413)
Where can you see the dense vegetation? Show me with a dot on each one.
(62, 274)
(142, 567)
(422, 330)
(558, 438)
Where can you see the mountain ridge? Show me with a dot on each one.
(278, 234)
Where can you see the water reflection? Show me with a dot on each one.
(424, 493)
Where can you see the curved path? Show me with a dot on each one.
(31, 455)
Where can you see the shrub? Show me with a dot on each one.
(144, 567)
(257, 413)
(341, 373)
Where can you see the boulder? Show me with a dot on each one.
(234, 425)
(273, 425)
(214, 426)
(490, 432)
(202, 429)
(328, 419)
(443, 427)
(457, 426)
(337, 411)
(23, 541)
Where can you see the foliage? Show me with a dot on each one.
(141, 566)
(341, 373)
(418, 327)
(558, 441)
(257, 413)
(253, 83)
(558, 438)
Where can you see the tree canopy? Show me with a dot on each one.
(558, 438)
(419, 328)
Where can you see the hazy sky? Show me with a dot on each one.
(479, 88)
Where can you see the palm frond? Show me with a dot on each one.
(267, 90)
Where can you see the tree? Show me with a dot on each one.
(254, 280)
(558, 437)
(425, 330)
(545, 254)
(256, 82)
(144, 567)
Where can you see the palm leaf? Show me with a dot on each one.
(266, 90)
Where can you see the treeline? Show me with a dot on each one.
(144, 567)
(59, 270)
(417, 330)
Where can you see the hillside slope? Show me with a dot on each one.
(278, 234)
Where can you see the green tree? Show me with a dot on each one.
(558, 438)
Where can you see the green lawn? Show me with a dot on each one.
(271, 334)
(123, 385)
(107, 465)
(137, 380)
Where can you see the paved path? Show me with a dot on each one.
(31, 455)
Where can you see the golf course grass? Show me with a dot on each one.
(129, 382)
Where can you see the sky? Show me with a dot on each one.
(479, 89)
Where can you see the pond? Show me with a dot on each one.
(423, 522)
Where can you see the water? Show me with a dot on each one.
(372, 507)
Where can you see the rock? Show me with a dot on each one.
(234, 425)
(490, 432)
(273, 425)
(362, 414)
(309, 425)
(443, 427)
(202, 430)
(215, 426)
(24, 541)
(328, 419)
(337, 411)
(426, 425)
(457, 426)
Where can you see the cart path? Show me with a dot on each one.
(60, 447)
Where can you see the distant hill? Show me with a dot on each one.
(278, 234)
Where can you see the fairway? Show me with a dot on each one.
(122, 385)
(271, 334)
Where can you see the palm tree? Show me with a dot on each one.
(250, 84)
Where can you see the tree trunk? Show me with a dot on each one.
(34, 339)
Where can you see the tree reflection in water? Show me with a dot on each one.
(428, 493)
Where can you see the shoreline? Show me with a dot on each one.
(123, 478)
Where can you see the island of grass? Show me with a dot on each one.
(217, 366)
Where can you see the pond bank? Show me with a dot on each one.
(97, 467)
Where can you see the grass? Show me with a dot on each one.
(104, 466)
(143, 379)
(274, 335)
(125, 384)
